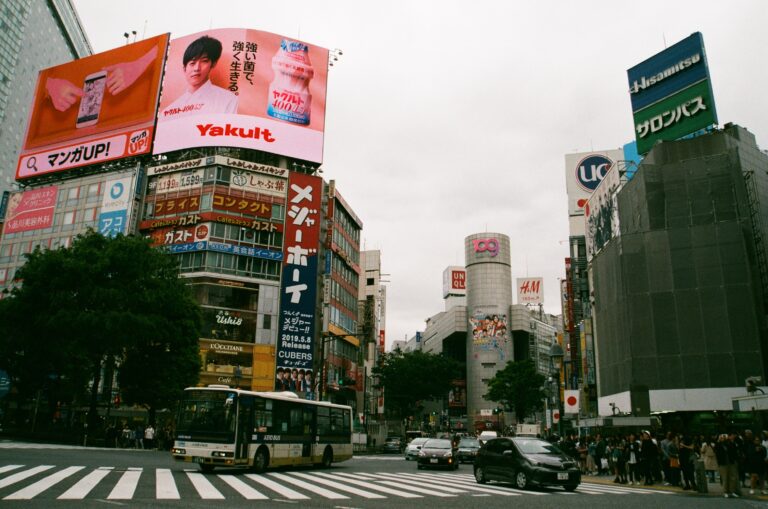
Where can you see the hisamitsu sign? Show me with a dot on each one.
(671, 93)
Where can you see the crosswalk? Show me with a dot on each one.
(20, 482)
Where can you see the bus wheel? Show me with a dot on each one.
(327, 457)
(206, 468)
(261, 460)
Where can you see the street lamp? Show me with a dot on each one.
(556, 355)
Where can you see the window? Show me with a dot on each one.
(73, 193)
(69, 217)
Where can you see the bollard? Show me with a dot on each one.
(701, 477)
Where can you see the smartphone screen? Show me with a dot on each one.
(90, 103)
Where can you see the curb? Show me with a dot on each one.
(714, 489)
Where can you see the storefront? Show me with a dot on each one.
(226, 363)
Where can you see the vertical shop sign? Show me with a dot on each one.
(298, 291)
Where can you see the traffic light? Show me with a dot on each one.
(116, 401)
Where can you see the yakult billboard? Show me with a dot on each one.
(94, 109)
(244, 88)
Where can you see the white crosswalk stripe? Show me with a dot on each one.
(126, 486)
(79, 483)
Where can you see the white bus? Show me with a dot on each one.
(217, 426)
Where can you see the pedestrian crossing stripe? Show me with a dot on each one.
(123, 484)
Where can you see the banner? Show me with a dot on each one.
(116, 206)
(298, 289)
(571, 401)
(31, 210)
(94, 109)
(244, 88)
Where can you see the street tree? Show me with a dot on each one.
(412, 377)
(100, 303)
(518, 387)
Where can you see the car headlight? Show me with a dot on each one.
(448, 455)
(422, 453)
(177, 450)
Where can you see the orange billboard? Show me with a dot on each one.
(94, 109)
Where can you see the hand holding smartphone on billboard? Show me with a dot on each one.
(63, 93)
(122, 75)
(93, 96)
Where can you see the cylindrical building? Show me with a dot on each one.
(489, 298)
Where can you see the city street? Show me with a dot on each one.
(53, 475)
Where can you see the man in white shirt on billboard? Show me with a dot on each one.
(201, 96)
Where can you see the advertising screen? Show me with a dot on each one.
(94, 109)
(244, 88)
(602, 214)
(31, 210)
(298, 291)
(671, 93)
(583, 173)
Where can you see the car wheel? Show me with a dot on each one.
(521, 480)
(480, 475)
(571, 487)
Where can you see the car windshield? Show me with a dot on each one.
(438, 443)
(393, 440)
(418, 441)
(469, 442)
(536, 446)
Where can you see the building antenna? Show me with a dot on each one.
(664, 38)
(144, 32)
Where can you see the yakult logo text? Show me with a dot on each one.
(490, 245)
(238, 132)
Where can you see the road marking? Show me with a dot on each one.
(339, 486)
(314, 489)
(401, 477)
(204, 488)
(277, 487)
(8, 468)
(398, 484)
(43, 484)
(444, 480)
(20, 476)
(84, 486)
(622, 489)
(126, 486)
(372, 486)
(246, 491)
(165, 486)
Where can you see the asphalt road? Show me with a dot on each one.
(43, 476)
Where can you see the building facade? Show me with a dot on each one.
(679, 296)
(35, 34)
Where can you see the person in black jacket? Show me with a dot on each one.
(727, 453)
(649, 454)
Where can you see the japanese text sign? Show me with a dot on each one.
(31, 210)
(94, 109)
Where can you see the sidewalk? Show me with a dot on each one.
(713, 489)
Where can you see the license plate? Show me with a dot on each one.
(433, 460)
(198, 459)
(562, 476)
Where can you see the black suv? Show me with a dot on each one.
(526, 461)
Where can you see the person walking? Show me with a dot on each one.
(149, 437)
(632, 452)
(755, 466)
(709, 457)
(672, 470)
(727, 454)
(649, 455)
(687, 459)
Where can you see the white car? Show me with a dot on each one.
(487, 435)
(413, 448)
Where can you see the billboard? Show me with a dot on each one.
(95, 109)
(583, 173)
(298, 290)
(489, 332)
(602, 214)
(671, 93)
(244, 88)
(31, 210)
(530, 290)
(454, 281)
(116, 206)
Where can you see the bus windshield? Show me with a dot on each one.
(207, 416)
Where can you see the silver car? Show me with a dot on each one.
(413, 448)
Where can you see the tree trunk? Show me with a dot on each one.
(93, 413)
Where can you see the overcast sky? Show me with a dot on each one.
(448, 118)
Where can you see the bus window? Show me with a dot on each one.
(296, 421)
(323, 420)
(262, 415)
(347, 421)
(309, 413)
(337, 421)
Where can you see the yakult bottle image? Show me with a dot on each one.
(289, 98)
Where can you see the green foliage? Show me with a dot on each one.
(409, 378)
(518, 386)
(101, 301)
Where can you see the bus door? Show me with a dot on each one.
(308, 435)
(244, 426)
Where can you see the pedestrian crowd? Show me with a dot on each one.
(139, 437)
(736, 460)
